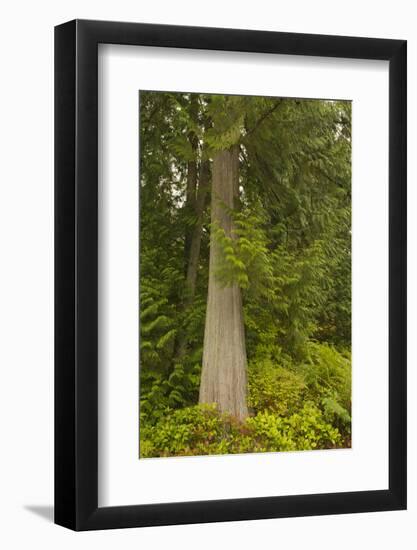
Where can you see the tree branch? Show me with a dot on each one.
(261, 119)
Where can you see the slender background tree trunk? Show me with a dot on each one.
(224, 376)
(195, 244)
(190, 204)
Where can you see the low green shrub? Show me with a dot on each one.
(305, 430)
(189, 431)
(274, 388)
(203, 430)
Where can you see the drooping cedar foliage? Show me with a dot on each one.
(289, 253)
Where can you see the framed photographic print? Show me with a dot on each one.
(230, 252)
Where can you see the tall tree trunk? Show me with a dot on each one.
(224, 373)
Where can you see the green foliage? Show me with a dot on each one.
(245, 256)
(336, 415)
(192, 430)
(302, 431)
(228, 116)
(203, 430)
(280, 385)
(157, 323)
(274, 388)
(161, 393)
(328, 374)
(301, 285)
(294, 407)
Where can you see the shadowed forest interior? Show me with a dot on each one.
(245, 274)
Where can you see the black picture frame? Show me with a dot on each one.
(76, 272)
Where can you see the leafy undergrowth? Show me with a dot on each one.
(293, 408)
(203, 430)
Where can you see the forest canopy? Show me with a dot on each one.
(245, 274)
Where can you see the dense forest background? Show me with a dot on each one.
(245, 274)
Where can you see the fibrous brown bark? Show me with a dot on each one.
(224, 376)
